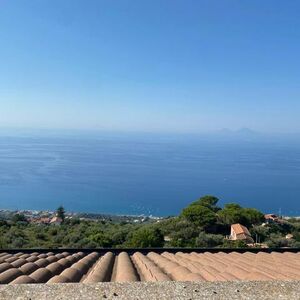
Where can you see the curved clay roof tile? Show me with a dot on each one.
(73, 275)
(5, 266)
(29, 268)
(42, 262)
(55, 268)
(9, 275)
(24, 279)
(41, 275)
(58, 279)
(19, 262)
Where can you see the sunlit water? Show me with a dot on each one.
(146, 174)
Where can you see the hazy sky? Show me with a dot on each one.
(155, 65)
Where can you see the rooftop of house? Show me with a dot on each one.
(271, 216)
(240, 229)
(56, 220)
(154, 266)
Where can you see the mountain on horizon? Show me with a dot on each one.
(239, 132)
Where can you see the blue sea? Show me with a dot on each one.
(148, 174)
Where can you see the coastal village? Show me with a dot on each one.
(47, 217)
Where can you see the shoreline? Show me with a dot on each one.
(80, 215)
(98, 216)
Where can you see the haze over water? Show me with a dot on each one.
(148, 173)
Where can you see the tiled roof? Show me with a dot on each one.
(271, 216)
(240, 229)
(64, 267)
(56, 219)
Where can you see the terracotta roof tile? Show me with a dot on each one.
(240, 229)
(98, 267)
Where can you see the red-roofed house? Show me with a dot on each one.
(271, 218)
(240, 233)
(42, 220)
(56, 221)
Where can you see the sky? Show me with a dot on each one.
(159, 65)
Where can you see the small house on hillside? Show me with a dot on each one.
(271, 218)
(56, 221)
(240, 233)
(40, 221)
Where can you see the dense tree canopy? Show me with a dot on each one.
(60, 212)
(199, 215)
(208, 201)
(146, 238)
(19, 218)
(234, 213)
(201, 224)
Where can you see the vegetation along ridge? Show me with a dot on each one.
(201, 224)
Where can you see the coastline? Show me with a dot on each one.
(35, 214)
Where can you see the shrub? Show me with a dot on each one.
(205, 240)
(146, 237)
(199, 215)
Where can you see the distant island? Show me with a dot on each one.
(201, 224)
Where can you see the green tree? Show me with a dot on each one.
(3, 243)
(296, 236)
(60, 212)
(276, 240)
(185, 236)
(205, 240)
(234, 213)
(147, 237)
(234, 244)
(101, 239)
(260, 233)
(253, 216)
(19, 218)
(208, 201)
(283, 228)
(199, 215)
(231, 214)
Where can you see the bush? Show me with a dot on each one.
(185, 237)
(277, 241)
(19, 218)
(261, 232)
(234, 213)
(101, 240)
(234, 244)
(208, 201)
(146, 237)
(209, 240)
(199, 215)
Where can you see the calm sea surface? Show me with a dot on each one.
(147, 174)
